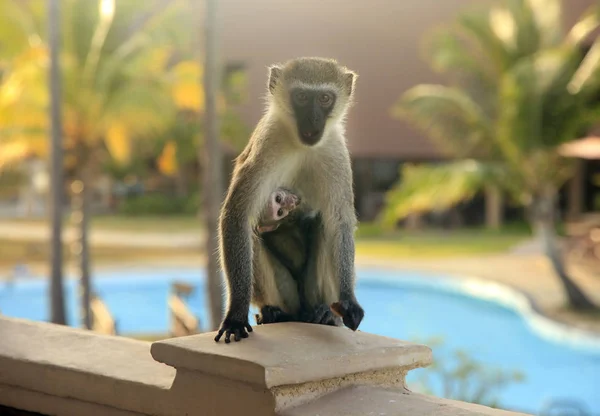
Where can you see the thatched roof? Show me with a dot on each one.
(586, 148)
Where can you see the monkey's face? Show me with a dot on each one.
(309, 94)
(312, 108)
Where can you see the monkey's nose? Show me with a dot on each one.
(310, 134)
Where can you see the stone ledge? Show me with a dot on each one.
(291, 353)
(366, 400)
(33, 401)
(283, 369)
(72, 363)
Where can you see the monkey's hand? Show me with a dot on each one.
(350, 312)
(234, 326)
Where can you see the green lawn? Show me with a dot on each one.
(437, 244)
(370, 241)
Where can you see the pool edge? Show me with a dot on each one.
(498, 293)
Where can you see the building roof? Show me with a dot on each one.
(586, 148)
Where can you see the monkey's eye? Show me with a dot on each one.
(280, 212)
(278, 199)
(301, 98)
(325, 100)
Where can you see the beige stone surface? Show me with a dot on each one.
(292, 395)
(367, 401)
(291, 353)
(34, 401)
(194, 393)
(284, 369)
(67, 362)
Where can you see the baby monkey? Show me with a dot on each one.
(285, 229)
(291, 248)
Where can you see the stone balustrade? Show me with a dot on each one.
(284, 369)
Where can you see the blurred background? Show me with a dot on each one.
(476, 173)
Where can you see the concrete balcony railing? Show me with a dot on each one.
(285, 369)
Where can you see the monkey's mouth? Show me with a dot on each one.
(311, 136)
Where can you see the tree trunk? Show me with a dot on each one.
(213, 162)
(414, 222)
(576, 192)
(181, 187)
(57, 301)
(543, 217)
(81, 214)
(493, 207)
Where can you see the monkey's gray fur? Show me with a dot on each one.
(301, 146)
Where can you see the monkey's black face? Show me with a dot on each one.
(312, 108)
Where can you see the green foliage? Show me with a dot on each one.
(369, 230)
(438, 187)
(464, 378)
(114, 84)
(234, 132)
(519, 89)
(159, 204)
(450, 116)
(131, 83)
(122, 79)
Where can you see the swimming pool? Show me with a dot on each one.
(492, 323)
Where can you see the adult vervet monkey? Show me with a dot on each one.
(298, 144)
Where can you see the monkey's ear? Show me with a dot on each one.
(350, 81)
(274, 75)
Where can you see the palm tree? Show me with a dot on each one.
(520, 88)
(57, 302)
(118, 88)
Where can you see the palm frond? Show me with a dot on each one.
(18, 26)
(143, 107)
(449, 115)
(154, 33)
(80, 21)
(586, 79)
(450, 52)
(536, 109)
(547, 17)
(584, 27)
(106, 16)
(476, 25)
(426, 188)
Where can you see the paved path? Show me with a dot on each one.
(103, 237)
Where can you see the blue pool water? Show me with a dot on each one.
(395, 306)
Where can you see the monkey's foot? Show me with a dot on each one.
(350, 311)
(233, 326)
(321, 315)
(271, 315)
